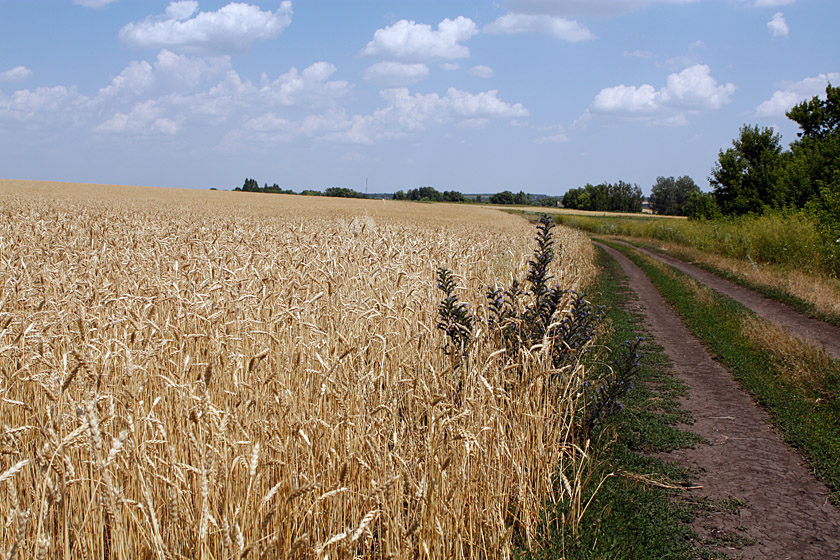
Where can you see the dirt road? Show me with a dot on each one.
(812, 330)
(786, 514)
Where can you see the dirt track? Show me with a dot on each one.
(786, 513)
(812, 330)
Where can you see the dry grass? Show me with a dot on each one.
(821, 291)
(226, 375)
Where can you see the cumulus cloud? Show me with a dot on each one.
(16, 74)
(450, 66)
(777, 25)
(784, 99)
(93, 3)
(584, 7)
(693, 90)
(481, 71)
(232, 28)
(558, 27)
(406, 113)
(48, 106)
(396, 73)
(170, 73)
(143, 117)
(414, 42)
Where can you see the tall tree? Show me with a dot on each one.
(745, 176)
(670, 196)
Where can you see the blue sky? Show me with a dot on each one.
(534, 95)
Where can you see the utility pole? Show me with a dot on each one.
(366, 185)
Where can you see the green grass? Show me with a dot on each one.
(808, 416)
(630, 518)
(791, 240)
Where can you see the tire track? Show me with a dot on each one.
(814, 331)
(787, 513)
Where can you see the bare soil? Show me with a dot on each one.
(779, 510)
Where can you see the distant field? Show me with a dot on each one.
(218, 374)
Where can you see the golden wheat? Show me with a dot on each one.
(230, 375)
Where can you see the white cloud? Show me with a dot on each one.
(48, 106)
(558, 27)
(450, 66)
(777, 25)
(16, 74)
(793, 93)
(406, 113)
(691, 91)
(93, 3)
(414, 42)
(230, 29)
(481, 71)
(638, 54)
(584, 7)
(143, 117)
(395, 74)
(171, 73)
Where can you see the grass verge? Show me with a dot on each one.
(804, 405)
(632, 515)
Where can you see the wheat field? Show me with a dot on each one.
(195, 374)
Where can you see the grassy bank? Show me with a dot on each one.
(790, 240)
(635, 513)
(797, 384)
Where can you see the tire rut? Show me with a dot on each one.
(814, 331)
(787, 514)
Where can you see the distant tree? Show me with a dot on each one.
(605, 197)
(504, 197)
(745, 176)
(549, 201)
(251, 185)
(670, 196)
(343, 192)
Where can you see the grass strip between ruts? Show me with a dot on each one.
(808, 421)
(630, 517)
(770, 292)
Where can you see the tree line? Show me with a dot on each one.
(251, 185)
(605, 197)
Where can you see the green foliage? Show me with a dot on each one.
(791, 239)
(745, 175)
(701, 206)
(343, 192)
(549, 201)
(507, 197)
(671, 196)
(818, 118)
(606, 197)
(429, 194)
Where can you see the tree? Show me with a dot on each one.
(818, 118)
(701, 206)
(504, 197)
(745, 176)
(670, 196)
(814, 158)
